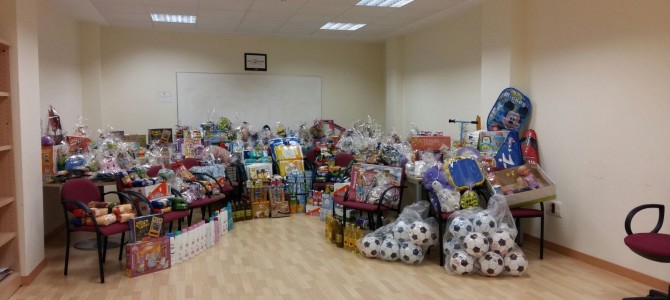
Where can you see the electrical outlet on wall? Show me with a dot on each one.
(554, 208)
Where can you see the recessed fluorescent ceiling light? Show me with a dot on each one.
(384, 3)
(172, 18)
(341, 26)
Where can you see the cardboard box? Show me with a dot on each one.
(260, 209)
(140, 139)
(312, 210)
(49, 162)
(430, 142)
(151, 192)
(516, 193)
(147, 257)
(279, 207)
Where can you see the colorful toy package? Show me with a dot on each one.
(147, 257)
(369, 181)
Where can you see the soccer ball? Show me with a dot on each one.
(453, 245)
(484, 223)
(511, 230)
(461, 263)
(401, 231)
(422, 234)
(476, 244)
(390, 250)
(501, 242)
(370, 246)
(516, 263)
(491, 264)
(460, 227)
(410, 253)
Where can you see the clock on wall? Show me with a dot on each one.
(255, 62)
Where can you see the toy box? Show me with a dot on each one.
(288, 152)
(520, 190)
(147, 257)
(363, 183)
(162, 135)
(151, 192)
(430, 142)
(148, 226)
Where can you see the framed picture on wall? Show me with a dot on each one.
(255, 62)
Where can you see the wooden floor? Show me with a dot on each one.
(289, 258)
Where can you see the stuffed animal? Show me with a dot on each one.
(449, 199)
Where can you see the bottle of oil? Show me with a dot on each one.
(347, 236)
(327, 225)
(339, 235)
(333, 230)
(358, 235)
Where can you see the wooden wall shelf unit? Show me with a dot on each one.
(9, 242)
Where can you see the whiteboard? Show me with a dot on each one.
(256, 99)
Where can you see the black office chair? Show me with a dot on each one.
(650, 245)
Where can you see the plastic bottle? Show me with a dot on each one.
(173, 254)
(176, 258)
(327, 226)
(185, 244)
(231, 223)
(217, 228)
(226, 222)
(210, 233)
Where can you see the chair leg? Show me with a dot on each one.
(179, 223)
(67, 253)
(99, 241)
(542, 237)
(190, 217)
(519, 234)
(440, 230)
(123, 239)
(171, 226)
(104, 249)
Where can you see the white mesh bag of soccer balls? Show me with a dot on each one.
(407, 239)
(482, 241)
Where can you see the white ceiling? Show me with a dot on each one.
(293, 18)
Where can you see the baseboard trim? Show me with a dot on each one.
(600, 263)
(27, 280)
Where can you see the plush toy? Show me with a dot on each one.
(449, 199)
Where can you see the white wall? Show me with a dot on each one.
(60, 86)
(597, 74)
(136, 64)
(441, 70)
(599, 85)
(60, 75)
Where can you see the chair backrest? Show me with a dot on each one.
(80, 189)
(153, 171)
(190, 162)
(342, 159)
(312, 154)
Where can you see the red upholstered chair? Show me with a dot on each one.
(205, 203)
(525, 213)
(374, 211)
(76, 194)
(650, 245)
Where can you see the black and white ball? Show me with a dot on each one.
(516, 263)
(401, 231)
(422, 234)
(390, 249)
(501, 242)
(460, 227)
(370, 246)
(511, 229)
(484, 223)
(410, 253)
(461, 263)
(476, 244)
(454, 244)
(491, 264)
